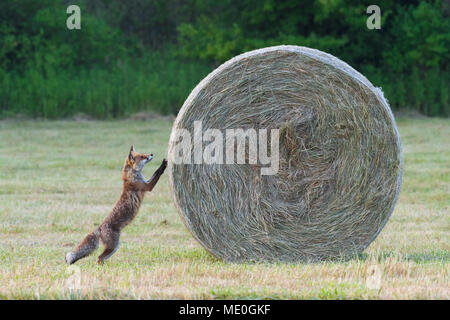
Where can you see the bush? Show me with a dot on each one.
(148, 54)
(48, 71)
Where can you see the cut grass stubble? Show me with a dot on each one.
(59, 179)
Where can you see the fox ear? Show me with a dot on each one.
(131, 155)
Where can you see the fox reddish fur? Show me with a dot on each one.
(134, 188)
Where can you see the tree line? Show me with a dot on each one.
(139, 55)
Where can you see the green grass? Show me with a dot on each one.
(59, 179)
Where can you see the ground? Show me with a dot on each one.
(59, 179)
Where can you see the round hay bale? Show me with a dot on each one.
(340, 161)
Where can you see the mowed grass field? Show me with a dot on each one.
(59, 179)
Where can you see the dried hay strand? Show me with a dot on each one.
(340, 163)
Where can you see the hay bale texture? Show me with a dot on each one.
(340, 163)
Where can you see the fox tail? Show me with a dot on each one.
(86, 247)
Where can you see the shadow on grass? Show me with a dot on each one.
(417, 257)
(202, 255)
(428, 257)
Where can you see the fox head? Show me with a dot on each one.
(134, 163)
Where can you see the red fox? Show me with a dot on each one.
(134, 188)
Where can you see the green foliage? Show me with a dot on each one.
(148, 54)
(155, 82)
(408, 57)
(49, 71)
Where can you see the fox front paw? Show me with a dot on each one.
(163, 164)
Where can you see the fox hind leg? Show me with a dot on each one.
(110, 239)
(107, 253)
